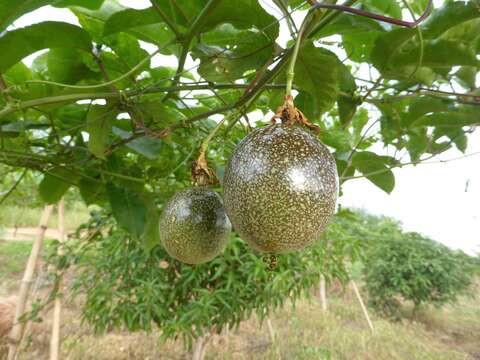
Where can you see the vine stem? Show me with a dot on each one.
(165, 18)
(211, 135)
(112, 95)
(326, 19)
(329, 17)
(186, 41)
(293, 60)
(14, 186)
(201, 173)
(386, 19)
(108, 83)
(420, 40)
(3, 89)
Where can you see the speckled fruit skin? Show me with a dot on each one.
(280, 188)
(193, 226)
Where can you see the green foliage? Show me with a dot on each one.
(147, 133)
(17, 44)
(126, 286)
(407, 266)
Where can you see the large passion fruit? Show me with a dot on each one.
(280, 188)
(193, 226)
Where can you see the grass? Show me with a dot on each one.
(13, 257)
(307, 333)
(11, 216)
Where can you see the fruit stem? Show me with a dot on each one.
(210, 136)
(201, 173)
(296, 49)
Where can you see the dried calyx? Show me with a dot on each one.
(290, 115)
(201, 174)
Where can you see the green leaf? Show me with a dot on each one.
(392, 45)
(358, 35)
(374, 168)
(92, 192)
(317, 71)
(417, 144)
(93, 21)
(161, 114)
(347, 24)
(388, 7)
(359, 121)
(128, 209)
(303, 101)
(128, 49)
(387, 45)
(243, 14)
(99, 127)
(437, 53)
(456, 135)
(22, 125)
(63, 65)
(447, 119)
(70, 116)
(182, 12)
(423, 105)
(359, 46)
(130, 18)
(347, 105)
(89, 4)
(10, 10)
(54, 185)
(222, 64)
(18, 73)
(151, 234)
(467, 76)
(450, 15)
(146, 146)
(336, 138)
(17, 44)
(144, 24)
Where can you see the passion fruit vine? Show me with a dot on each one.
(280, 188)
(193, 226)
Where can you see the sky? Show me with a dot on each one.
(439, 199)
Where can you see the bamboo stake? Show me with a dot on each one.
(364, 309)
(271, 330)
(199, 347)
(19, 326)
(273, 337)
(323, 293)
(57, 310)
(28, 324)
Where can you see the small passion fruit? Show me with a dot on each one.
(193, 226)
(280, 188)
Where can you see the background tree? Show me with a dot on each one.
(410, 267)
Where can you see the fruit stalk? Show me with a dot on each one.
(201, 173)
(291, 67)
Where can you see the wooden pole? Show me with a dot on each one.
(199, 347)
(271, 330)
(362, 305)
(57, 310)
(18, 326)
(323, 293)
